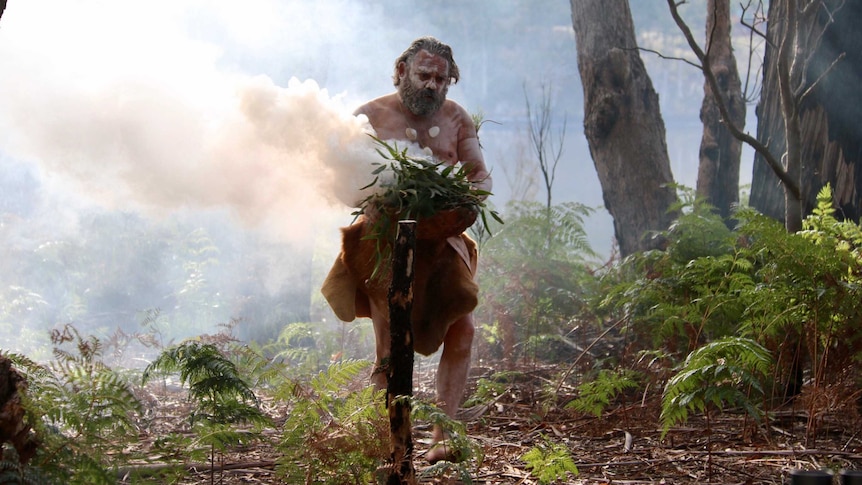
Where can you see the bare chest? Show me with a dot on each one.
(438, 134)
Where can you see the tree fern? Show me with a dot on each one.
(724, 372)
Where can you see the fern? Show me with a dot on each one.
(337, 375)
(211, 377)
(595, 396)
(794, 294)
(333, 435)
(467, 450)
(550, 461)
(12, 472)
(724, 372)
(81, 409)
(549, 251)
(222, 396)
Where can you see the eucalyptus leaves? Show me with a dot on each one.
(405, 187)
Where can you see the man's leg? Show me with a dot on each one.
(452, 375)
(383, 346)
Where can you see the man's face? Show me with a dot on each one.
(425, 83)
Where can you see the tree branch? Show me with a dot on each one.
(817, 81)
(670, 58)
(752, 27)
(750, 90)
(759, 147)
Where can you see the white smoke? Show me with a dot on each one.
(121, 102)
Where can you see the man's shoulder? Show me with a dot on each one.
(453, 109)
(459, 117)
(383, 103)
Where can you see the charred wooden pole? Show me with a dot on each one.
(399, 388)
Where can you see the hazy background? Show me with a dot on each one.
(185, 163)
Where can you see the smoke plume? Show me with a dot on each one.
(149, 120)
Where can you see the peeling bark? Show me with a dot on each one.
(829, 134)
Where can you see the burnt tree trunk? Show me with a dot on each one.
(830, 139)
(400, 379)
(13, 428)
(623, 124)
(718, 171)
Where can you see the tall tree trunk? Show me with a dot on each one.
(820, 133)
(830, 135)
(718, 172)
(623, 123)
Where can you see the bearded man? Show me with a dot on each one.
(445, 292)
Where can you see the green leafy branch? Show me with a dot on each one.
(408, 187)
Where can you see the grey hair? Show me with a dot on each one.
(433, 46)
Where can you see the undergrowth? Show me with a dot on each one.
(746, 318)
(750, 314)
(82, 411)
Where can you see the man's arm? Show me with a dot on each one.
(470, 155)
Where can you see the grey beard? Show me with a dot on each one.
(416, 101)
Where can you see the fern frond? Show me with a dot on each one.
(337, 375)
(550, 461)
(594, 396)
(726, 371)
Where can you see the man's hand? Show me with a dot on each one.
(484, 185)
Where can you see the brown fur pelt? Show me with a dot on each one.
(443, 286)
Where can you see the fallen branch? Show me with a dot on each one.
(846, 454)
(150, 469)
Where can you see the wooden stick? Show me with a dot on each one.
(399, 388)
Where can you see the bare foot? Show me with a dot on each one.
(443, 450)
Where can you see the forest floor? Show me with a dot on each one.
(623, 446)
